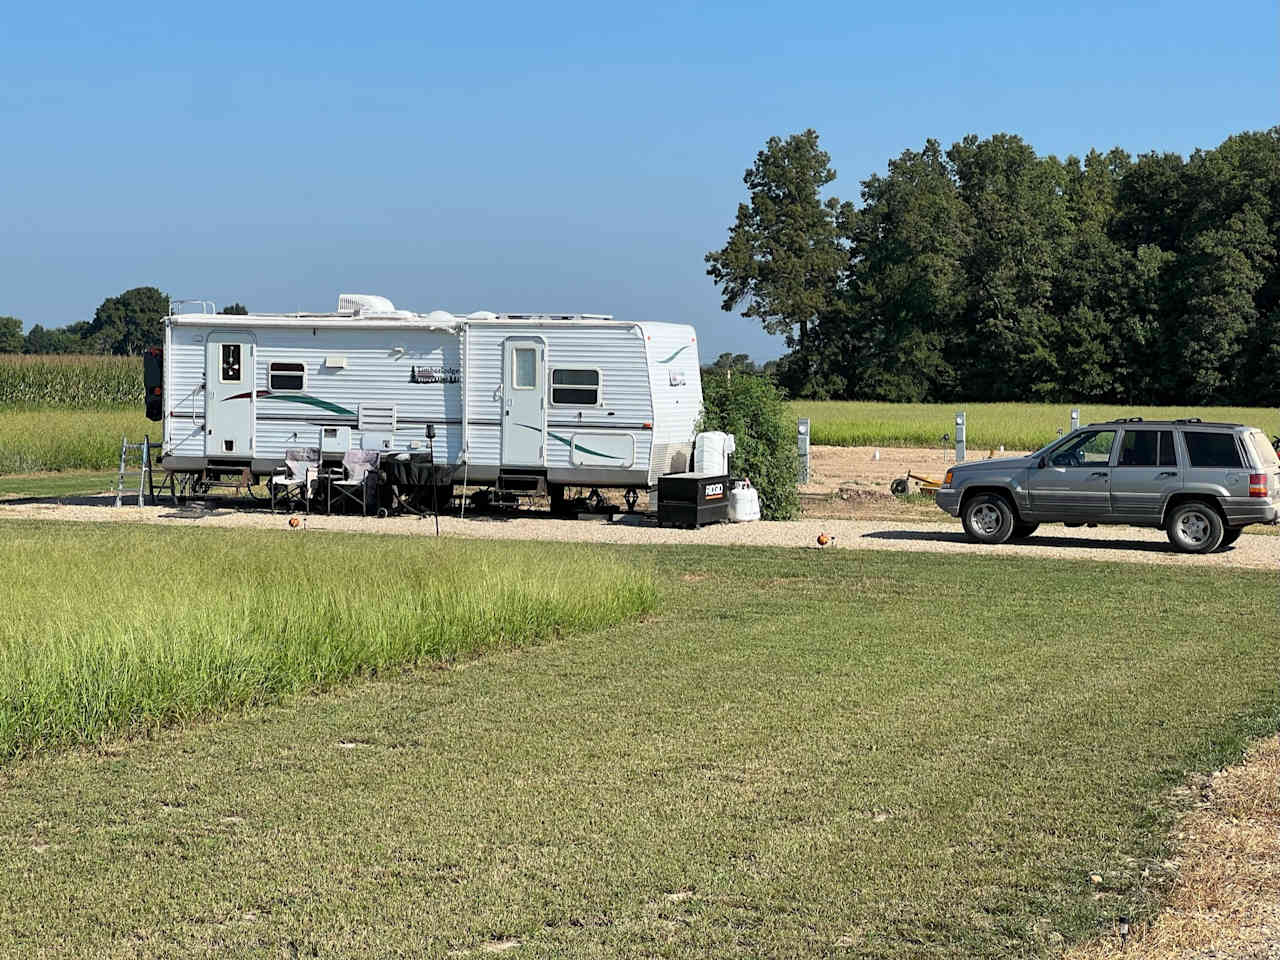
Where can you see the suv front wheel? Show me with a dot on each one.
(1194, 527)
(988, 518)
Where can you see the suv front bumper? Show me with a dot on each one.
(948, 500)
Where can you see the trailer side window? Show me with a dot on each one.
(283, 375)
(575, 388)
(230, 372)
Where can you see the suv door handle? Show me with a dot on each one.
(1098, 473)
(1168, 473)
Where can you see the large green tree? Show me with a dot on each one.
(988, 272)
(907, 284)
(40, 339)
(785, 257)
(10, 335)
(129, 323)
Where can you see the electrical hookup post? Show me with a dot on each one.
(802, 450)
(1075, 418)
(960, 437)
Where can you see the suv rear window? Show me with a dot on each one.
(1213, 449)
(1263, 450)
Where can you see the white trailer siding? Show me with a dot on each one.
(376, 370)
(615, 350)
(676, 386)
(643, 379)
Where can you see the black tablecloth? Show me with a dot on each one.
(413, 470)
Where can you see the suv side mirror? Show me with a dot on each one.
(1042, 463)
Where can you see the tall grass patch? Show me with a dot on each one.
(1017, 426)
(70, 381)
(113, 629)
(32, 441)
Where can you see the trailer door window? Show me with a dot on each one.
(230, 367)
(524, 376)
(286, 376)
(575, 388)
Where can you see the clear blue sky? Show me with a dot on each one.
(519, 157)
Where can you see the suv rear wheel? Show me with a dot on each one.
(1194, 527)
(988, 518)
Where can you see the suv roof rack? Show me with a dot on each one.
(1181, 420)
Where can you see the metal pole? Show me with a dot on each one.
(124, 447)
(1075, 418)
(960, 437)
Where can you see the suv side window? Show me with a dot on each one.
(1139, 448)
(1147, 448)
(1091, 448)
(1212, 449)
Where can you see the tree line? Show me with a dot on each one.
(126, 324)
(987, 272)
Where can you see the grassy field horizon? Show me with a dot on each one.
(795, 754)
(1016, 426)
(69, 413)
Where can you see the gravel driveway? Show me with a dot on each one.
(1127, 544)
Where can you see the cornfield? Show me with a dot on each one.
(70, 382)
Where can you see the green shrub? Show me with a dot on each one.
(751, 408)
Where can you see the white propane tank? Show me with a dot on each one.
(744, 503)
(711, 453)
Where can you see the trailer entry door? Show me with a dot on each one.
(230, 380)
(524, 402)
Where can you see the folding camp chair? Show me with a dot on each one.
(291, 484)
(356, 479)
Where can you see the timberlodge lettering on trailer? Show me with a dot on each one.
(435, 375)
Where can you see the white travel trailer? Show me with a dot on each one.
(519, 401)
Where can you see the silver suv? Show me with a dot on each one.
(1202, 482)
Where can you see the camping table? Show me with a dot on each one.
(409, 478)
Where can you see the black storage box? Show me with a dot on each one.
(692, 499)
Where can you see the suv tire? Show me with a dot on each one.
(1023, 530)
(988, 518)
(1194, 527)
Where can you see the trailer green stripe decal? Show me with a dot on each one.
(572, 445)
(297, 398)
(676, 354)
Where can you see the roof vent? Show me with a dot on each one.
(358, 303)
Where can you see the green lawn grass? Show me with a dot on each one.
(1018, 426)
(118, 628)
(800, 754)
(68, 483)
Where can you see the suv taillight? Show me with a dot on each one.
(1257, 484)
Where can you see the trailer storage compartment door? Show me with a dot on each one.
(601, 449)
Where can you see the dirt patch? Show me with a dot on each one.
(1226, 898)
(853, 482)
(831, 468)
